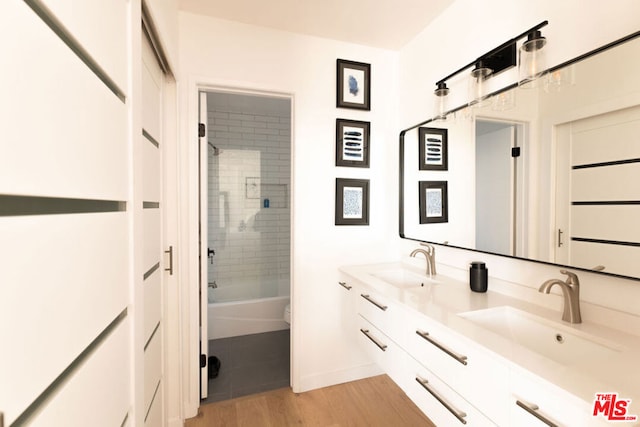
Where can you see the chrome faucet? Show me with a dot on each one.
(430, 255)
(571, 292)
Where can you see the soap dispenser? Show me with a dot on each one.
(478, 276)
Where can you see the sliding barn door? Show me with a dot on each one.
(65, 317)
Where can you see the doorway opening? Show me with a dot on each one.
(245, 234)
(500, 190)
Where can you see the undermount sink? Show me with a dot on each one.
(554, 341)
(403, 278)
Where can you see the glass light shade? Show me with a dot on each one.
(477, 86)
(531, 62)
(441, 101)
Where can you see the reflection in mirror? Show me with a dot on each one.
(550, 174)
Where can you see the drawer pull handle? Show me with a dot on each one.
(459, 357)
(460, 415)
(366, 333)
(344, 285)
(532, 408)
(372, 301)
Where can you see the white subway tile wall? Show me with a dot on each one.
(249, 188)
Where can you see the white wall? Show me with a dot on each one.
(225, 54)
(468, 29)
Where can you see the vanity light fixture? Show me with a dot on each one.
(494, 62)
(532, 59)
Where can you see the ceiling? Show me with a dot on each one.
(387, 24)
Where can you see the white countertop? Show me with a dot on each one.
(444, 301)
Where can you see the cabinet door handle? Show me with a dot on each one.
(533, 409)
(459, 357)
(372, 301)
(460, 415)
(344, 285)
(366, 333)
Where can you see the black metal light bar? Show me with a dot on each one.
(502, 56)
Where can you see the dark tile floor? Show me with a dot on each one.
(249, 364)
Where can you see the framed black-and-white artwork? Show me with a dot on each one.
(352, 143)
(352, 201)
(433, 202)
(353, 85)
(432, 151)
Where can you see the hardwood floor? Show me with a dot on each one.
(375, 401)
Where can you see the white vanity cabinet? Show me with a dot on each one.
(535, 402)
(382, 350)
(454, 371)
(382, 311)
(347, 291)
(442, 404)
(483, 380)
(434, 372)
(379, 325)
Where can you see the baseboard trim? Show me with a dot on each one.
(327, 379)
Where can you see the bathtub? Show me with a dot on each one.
(230, 319)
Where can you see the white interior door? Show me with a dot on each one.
(151, 139)
(65, 288)
(598, 192)
(204, 341)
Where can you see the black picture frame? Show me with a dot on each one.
(353, 85)
(434, 202)
(352, 143)
(352, 201)
(432, 149)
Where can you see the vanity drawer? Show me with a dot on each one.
(533, 399)
(383, 313)
(473, 373)
(381, 349)
(438, 401)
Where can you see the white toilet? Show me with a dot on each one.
(287, 314)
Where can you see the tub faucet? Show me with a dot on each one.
(571, 292)
(430, 255)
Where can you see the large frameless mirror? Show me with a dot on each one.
(549, 173)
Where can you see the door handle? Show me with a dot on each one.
(170, 252)
(560, 232)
